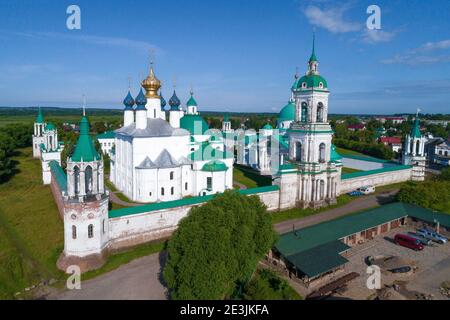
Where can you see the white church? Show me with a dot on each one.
(158, 159)
(172, 165)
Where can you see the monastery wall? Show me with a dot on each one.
(132, 229)
(374, 179)
(57, 195)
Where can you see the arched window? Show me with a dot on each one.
(50, 143)
(411, 148)
(322, 152)
(172, 190)
(171, 175)
(322, 189)
(186, 186)
(103, 225)
(76, 180)
(90, 231)
(154, 113)
(446, 153)
(88, 179)
(74, 232)
(298, 151)
(319, 116)
(162, 191)
(418, 147)
(304, 112)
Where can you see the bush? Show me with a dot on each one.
(432, 194)
(377, 150)
(267, 285)
(217, 246)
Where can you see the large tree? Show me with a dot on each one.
(217, 246)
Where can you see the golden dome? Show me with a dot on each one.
(151, 84)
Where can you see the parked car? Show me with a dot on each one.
(423, 240)
(404, 269)
(355, 193)
(367, 189)
(432, 235)
(408, 242)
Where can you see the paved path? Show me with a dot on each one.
(114, 198)
(240, 185)
(139, 279)
(362, 203)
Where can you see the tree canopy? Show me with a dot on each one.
(217, 246)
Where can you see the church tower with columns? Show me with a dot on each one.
(311, 170)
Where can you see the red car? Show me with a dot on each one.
(409, 242)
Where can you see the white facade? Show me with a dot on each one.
(414, 152)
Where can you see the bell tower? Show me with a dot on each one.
(311, 170)
(414, 151)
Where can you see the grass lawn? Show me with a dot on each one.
(296, 213)
(344, 152)
(120, 258)
(31, 231)
(349, 170)
(250, 178)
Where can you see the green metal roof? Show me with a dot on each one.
(313, 236)
(191, 102)
(335, 156)
(320, 259)
(85, 149)
(106, 135)
(313, 57)
(215, 166)
(226, 118)
(267, 126)
(59, 175)
(40, 117)
(181, 202)
(287, 113)
(415, 131)
(194, 123)
(311, 80)
(427, 215)
(375, 171)
(207, 152)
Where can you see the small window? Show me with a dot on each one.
(103, 225)
(90, 231)
(320, 84)
(303, 84)
(186, 186)
(74, 232)
(209, 183)
(150, 194)
(162, 191)
(172, 190)
(171, 175)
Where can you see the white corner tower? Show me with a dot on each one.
(414, 151)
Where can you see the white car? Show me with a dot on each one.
(367, 189)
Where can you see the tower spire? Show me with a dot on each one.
(84, 105)
(313, 57)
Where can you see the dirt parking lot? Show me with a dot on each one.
(433, 266)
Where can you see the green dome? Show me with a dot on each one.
(287, 113)
(312, 81)
(191, 102)
(85, 149)
(194, 123)
(267, 127)
(335, 156)
(49, 126)
(215, 166)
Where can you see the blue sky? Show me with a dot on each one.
(237, 55)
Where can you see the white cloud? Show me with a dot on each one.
(421, 55)
(375, 36)
(413, 60)
(432, 46)
(331, 19)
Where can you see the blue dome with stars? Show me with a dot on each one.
(128, 101)
(141, 101)
(174, 102)
(163, 102)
